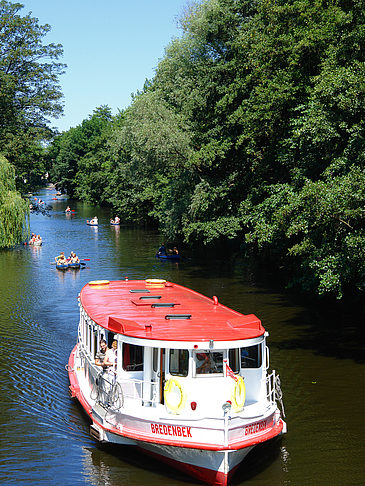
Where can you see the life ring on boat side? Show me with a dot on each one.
(238, 396)
(154, 281)
(174, 395)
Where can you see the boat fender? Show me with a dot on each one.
(238, 396)
(99, 282)
(175, 397)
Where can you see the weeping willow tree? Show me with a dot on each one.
(13, 209)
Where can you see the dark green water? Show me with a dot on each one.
(44, 434)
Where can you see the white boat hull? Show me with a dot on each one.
(211, 464)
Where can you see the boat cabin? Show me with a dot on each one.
(176, 348)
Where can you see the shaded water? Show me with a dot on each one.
(44, 434)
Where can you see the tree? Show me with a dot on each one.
(13, 209)
(29, 89)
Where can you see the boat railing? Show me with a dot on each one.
(273, 390)
(122, 393)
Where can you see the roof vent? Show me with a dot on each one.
(139, 291)
(177, 316)
(163, 304)
(146, 297)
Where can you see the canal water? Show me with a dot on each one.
(319, 354)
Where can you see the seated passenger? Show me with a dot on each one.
(100, 355)
(73, 258)
(61, 259)
(161, 250)
(204, 363)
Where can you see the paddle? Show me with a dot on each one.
(85, 259)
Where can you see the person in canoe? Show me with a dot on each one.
(94, 220)
(61, 259)
(73, 258)
(174, 251)
(161, 250)
(37, 240)
(68, 209)
(116, 220)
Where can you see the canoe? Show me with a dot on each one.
(115, 224)
(35, 243)
(175, 258)
(62, 266)
(91, 224)
(74, 265)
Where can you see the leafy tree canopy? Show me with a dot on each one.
(29, 89)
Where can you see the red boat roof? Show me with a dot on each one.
(159, 310)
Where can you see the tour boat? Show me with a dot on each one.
(189, 380)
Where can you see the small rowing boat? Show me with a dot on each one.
(91, 223)
(74, 265)
(191, 385)
(172, 257)
(62, 266)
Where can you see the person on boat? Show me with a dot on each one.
(110, 361)
(174, 251)
(204, 363)
(61, 259)
(68, 209)
(161, 250)
(73, 258)
(32, 238)
(116, 220)
(38, 240)
(100, 355)
(94, 220)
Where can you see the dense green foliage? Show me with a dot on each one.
(29, 92)
(13, 209)
(252, 129)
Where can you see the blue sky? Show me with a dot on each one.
(110, 48)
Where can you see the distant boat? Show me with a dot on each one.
(62, 266)
(91, 223)
(74, 265)
(173, 257)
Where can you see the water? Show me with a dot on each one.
(44, 434)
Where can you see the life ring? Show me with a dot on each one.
(156, 283)
(238, 396)
(174, 395)
(99, 282)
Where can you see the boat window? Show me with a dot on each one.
(179, 362)
(208, 362)
(132, 357)
(251, 356)
(234, 360)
